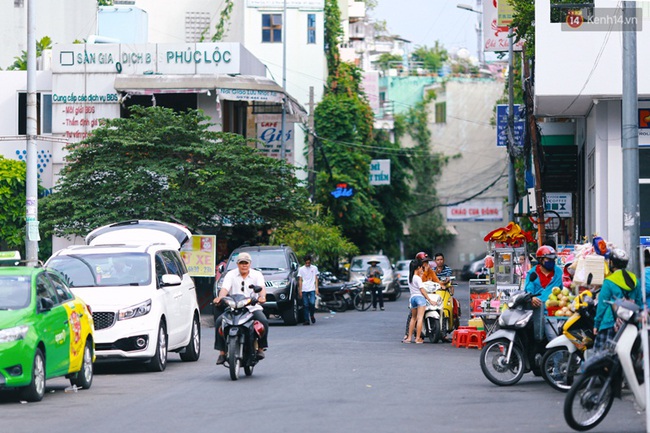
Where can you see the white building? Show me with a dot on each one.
(578, 88)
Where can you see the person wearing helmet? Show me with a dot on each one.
(540, 281)
(620, 283)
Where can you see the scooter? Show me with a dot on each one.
(591, 396)
(566, 353)
(241, 333)
(511, 350)
(439, 319)
(337, 297)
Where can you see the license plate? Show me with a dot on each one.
(346, 295)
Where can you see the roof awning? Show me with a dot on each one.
(234, 88)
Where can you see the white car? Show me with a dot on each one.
(142, 298)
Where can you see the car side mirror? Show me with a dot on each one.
(46, 304)
(294, 266)
(170, 280)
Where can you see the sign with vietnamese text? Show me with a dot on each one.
(199, 255)
(342, 190)
(559, 202)
(495, 36)
(502, 125)
(476, 210)
(269, 134)
(380, 172)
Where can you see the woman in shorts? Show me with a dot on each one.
(418, 301)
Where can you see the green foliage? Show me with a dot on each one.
(105, 2)
(432, 58)
(333, 33)
(224, 21)
(20, 62)
(387, 61)
(12, 204)
(318, 237)
(523, 21)
(426, 226)
(159, 164)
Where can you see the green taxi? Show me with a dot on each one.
(45, 331)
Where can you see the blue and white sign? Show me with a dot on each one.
(502, 126)
(380, 172)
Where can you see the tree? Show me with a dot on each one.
(159, 164)
(432, 58)
(389, 61)
(319, 237)
(20, 62)
(12, 204)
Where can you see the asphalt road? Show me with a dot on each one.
(348, 372)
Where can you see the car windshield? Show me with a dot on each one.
(360, 264)
(101, 270)
(265, 260)
(15, 293)
(402, 266)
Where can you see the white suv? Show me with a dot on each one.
(142, 299)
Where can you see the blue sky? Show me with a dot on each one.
(425, 21)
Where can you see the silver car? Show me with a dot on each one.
(359, 265)
(402, 273)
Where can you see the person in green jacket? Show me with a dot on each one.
(621, 283)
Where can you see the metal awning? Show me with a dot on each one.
(236, 87)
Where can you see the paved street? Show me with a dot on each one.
(349, 372)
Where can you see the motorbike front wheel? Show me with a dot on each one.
(583, 407)
(495, 367)
(559, 368)
(434, 326)
(234, 361)
(361, 301)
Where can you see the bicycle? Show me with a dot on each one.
(362, 299)
(552, 221)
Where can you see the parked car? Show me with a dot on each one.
(475, 269)
(143, 300)
(402, 273)
(45, 331)
(279, 265)
(359, 265)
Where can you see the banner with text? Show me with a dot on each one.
(477, 210)
(199, 255)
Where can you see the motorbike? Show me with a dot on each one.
(439, 320)
(591, 396)
(511, 350)
(566, 353)
(335, 295)
(241, 332)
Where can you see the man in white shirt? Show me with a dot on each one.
(308, 289)
(239, 281)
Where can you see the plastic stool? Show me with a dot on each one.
(460, 338)
(475, 339)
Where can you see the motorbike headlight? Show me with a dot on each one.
(524, 320)
(622, 312)
(135, 311)
(236, 304)
(13, 334)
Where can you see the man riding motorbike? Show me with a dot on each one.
(239, 281)
(443, 273)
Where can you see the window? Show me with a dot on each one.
(441, 112)
(173, 263)
(311, 28)
(271, 27)
(60, 287)
(44, 289)
(197, 26)
(43, 113)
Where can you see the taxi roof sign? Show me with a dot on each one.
(9, 255)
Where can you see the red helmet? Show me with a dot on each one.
(546, 251)
(422, 256)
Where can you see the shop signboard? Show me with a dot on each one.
(559, 202)
(502, 125)
(199, 255)
(476, 210)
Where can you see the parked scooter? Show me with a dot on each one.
(241, 333)
(335, 295)
(439, 320)
(511, 350)
(566, 353)
(591, 396)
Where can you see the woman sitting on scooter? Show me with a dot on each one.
(540, 282)
(417, 303)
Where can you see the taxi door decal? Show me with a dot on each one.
(76, 340)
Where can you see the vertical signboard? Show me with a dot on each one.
(199, 255)
(270, 135)
(495, 36)
(380, 172)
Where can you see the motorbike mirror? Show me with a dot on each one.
(255, 288)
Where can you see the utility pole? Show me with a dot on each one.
(630, 138)
(512, 182)
(31, 217)
(283, 139)
(311, 175)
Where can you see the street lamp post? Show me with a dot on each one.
(479, 30)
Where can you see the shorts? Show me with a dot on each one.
(418, 301)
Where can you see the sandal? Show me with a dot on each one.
(406, 341)
(419, 341)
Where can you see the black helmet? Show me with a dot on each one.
(619, 258)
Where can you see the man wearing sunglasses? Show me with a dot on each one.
(239, 281)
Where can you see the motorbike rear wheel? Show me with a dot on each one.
(340, 305)
(234, 361)
(493, 362)
(558, 368)
(583, 410)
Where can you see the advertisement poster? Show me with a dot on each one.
(477, 210)
(199, 255)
